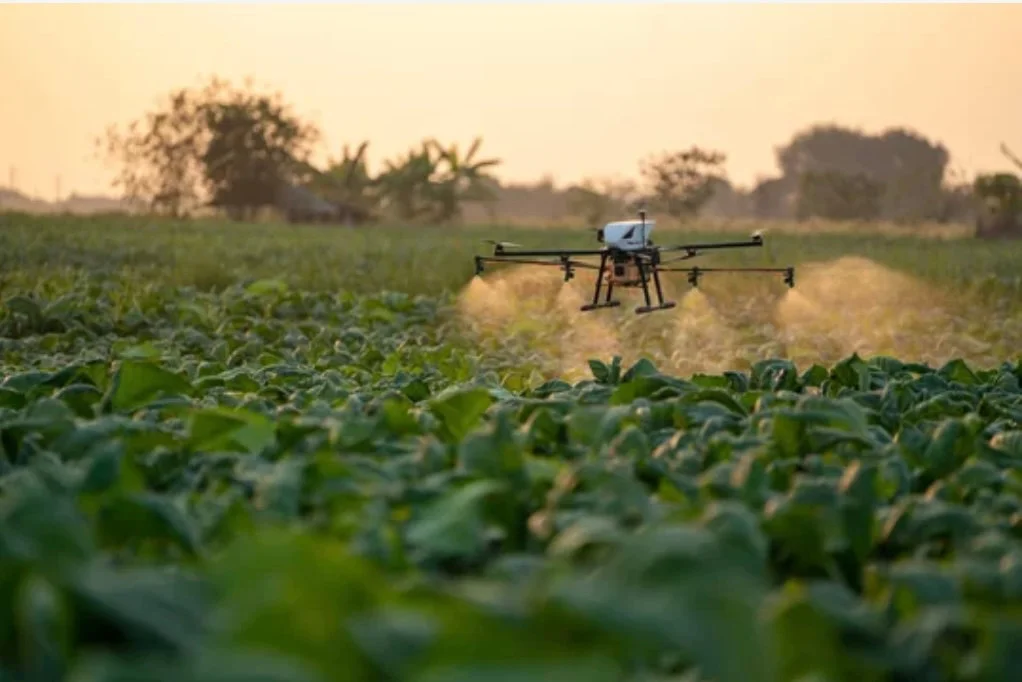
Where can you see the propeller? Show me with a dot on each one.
(501, 244)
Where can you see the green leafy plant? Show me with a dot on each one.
(277, 481)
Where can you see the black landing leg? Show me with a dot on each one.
(607, 303)
(661, 304)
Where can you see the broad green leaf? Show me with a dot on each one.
(459, 410)
(263, 287)
(220, 429)
(300, 598)
(44, 628)
(658, 591)
(455, 525)
(211, 666)
(137, 383)
(23, 305)
(592, 668)
(601, 372)
(142, 518)
(153, 610)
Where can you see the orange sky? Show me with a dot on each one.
(570, 90)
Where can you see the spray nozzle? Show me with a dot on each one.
(789, 277)
(569, 271)
(479, 265)
(693, 277)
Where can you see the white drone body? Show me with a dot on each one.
(626, 235)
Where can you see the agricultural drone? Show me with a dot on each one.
(628, 259)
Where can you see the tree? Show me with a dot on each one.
(255, 146)
(958, 203)
(160, 155)
(1001, 197)
(461, 179)
(910, 167)
(406, 185)
(774, 198)
(429, 184)
(596, 200)
(680, 183)
(838, 196)
(726, 200)
(215, 146)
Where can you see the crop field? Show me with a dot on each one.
(260, 452)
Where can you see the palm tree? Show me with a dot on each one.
(348, 184)
(464, 179)
(406, 184)
(1014, 159)
(429, 184)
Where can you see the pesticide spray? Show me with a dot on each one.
(849, 305)
(539, 309)
(854, 305)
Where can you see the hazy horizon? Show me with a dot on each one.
(567, 91)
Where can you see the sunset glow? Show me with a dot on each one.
(570, 90)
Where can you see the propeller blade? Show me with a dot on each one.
(496, 243)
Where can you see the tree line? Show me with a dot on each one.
(234, 150)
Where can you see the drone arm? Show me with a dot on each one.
(528, 261)
(675, 259)
(694, 248)
(695, 273)
(725, 269)
(556, 253)
(564, 263)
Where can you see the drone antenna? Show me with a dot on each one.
(642, 217)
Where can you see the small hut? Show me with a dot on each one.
(302, 205)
